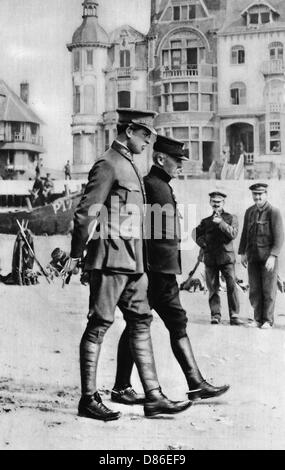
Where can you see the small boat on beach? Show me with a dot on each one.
(52, 219)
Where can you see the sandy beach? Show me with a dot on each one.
(40, 331)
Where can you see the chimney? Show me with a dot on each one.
(24, 92)
(153, 9)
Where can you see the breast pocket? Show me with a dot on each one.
(131, 211)
(263, 233)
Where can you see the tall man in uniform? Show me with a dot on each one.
(163, 239)
(261, 242)
(215, 236)
(115, 260)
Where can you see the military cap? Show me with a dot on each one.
(259, 188)
(217, 196)
(171, 147)
(142, 119)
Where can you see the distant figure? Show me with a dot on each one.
(48, 188)
(38, 170)
(67, 171)
(37, 198)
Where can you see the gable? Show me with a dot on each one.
(183, 10)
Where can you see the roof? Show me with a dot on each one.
(90, 31)
(12, 108)
(235, 22)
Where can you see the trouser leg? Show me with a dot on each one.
(228, 271)
(269, 283)
(256, 295)
(212, 280)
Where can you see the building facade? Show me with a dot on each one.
(212, 69)
(21, 143)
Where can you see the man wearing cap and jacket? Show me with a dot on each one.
(110, 217)
(215, 236)
(260, 245)
(164, 262)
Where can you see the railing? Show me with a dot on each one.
(275, 66)
(192, 70)
(123, 72)
(248, 158)
(275, 107)
(22, 137)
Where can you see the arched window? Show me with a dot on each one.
(124, 99)
(276, 51)
(76, 99)
(237, 55)
(89, 99)
(238, 93)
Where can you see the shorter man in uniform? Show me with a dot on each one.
(164, 261)
(261, 242)
(215, 236)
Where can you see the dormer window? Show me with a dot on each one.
(189, 12)
(260, 13)
(125, 58)
(237, 55)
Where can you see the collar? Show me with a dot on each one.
(122, 149)
(160, 173)
(261, 209)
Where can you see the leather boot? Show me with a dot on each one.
(122, 391)
(157, 403)
(90, 405)
(198, 387)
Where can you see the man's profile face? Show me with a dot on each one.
(259, 198)
(172, 165)
(138, 140)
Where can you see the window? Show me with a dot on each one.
(124, 99)
(180, 103)
(89, 57)
(253, 18)
(176, 13)
(176, 59)
(237, 55)
(238, 93)
(192, 12)
(76, 99)
(207, 102)
(187, 96)
(265, 17)
(76, 61)
(165, 58)
(274, 137)
(276, 51)
(107, 139)
(125, 58)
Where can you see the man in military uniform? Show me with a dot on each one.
(215, 236)
(261, 242)
(115, 197)
(163, 239)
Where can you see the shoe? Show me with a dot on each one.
(127, 396)
(157, 403)
(236, 321)
(92, 407)
(253, 324)
(266, 326)
(215, 320)
(207, 390)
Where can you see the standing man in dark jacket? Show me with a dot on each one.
(163, 240)
(260, 245)
(114, 199)
(215, 236)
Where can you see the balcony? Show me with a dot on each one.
(192, 70)
(124, 72)
(31, 139)
(273, 67)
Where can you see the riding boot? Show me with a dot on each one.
(198, 387)
(90, 405)
(122, 391)
(156, 402)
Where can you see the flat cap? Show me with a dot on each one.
(140, 118)
(171, 147)
(258, 188)
(217, 195)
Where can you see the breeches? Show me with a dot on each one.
(164, 298)
(108, 290)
